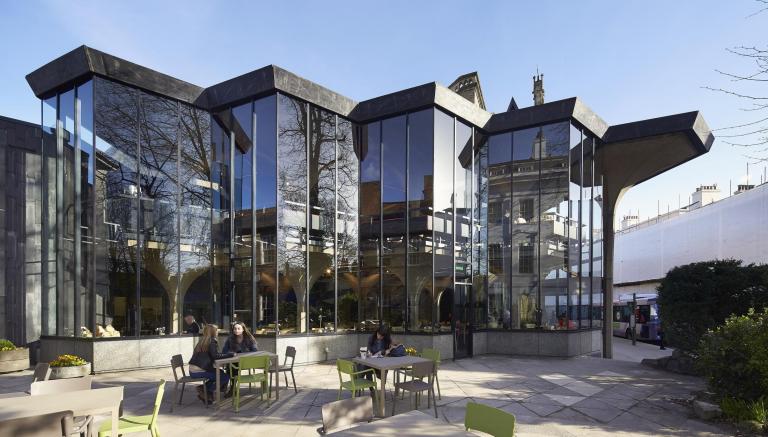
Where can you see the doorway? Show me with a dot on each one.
(462, 323)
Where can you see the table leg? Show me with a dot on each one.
(115, 420)
(382, 397)
(218, 384)
(277, 378)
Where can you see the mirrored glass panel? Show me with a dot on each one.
(529, 146)
(242, 205)
(443, 220)
(420, 220)
(158, 219)
(292, 214)
(265, 211)
(499, 216)
(394, 210)
(348, 296)
(322, 237)
(370, 226)
(553, 248)
(116, 111)
(196, 296)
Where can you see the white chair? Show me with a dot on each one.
(346, 413)
(42, 372)
(44, 425)
(54, 386)
(81, 425)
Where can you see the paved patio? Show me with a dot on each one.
(553, 397)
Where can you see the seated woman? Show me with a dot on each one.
(380, 342)
(241, 340)
(201, 364)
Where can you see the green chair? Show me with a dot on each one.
(357, 381)
(129, 424)
(489, 420)
(434, 355)
(430, 354)
(250, 364)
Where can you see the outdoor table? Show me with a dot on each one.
(384, 364)
(412, 424)
(81, 402)
(13, 394)
(226, 361)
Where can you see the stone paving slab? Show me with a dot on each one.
(554, 397)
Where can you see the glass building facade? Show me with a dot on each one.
(297, 220)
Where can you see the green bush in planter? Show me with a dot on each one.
(6, 345)
(734, 357)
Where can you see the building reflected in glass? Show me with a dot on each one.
(272, 201)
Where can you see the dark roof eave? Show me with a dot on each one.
(567, 109)
(85, 61)
(692, 124)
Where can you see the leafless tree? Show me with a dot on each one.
(752, 134)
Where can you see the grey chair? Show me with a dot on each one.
(285, 368)
(419, 371)
(345, 413)
(177, 364)
(80, 425)
(54, 386)
(42, 372)
(44, 425)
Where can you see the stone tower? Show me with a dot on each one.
(538, 89)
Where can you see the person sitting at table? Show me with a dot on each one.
(192, 326)
(381, 343)
(240, 340)
(201, 364)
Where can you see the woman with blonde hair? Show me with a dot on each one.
(201, 364)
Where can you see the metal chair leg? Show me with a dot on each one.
(293, 377)
(175, 390)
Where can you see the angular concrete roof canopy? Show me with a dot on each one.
(683, 136)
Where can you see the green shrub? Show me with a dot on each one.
(734, 357)
(735, 409)
(739, 410)
(698, 297)
(6, 345)
(759, 411)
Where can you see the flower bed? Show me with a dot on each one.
(12, 358)
(69, 366)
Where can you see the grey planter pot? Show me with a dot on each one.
(70, 372)
(15, 360)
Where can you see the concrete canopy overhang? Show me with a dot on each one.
(632, 153)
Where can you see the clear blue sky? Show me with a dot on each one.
(627, 60)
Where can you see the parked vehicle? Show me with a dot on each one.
(647, 322)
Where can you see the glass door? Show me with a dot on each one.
(462, 324)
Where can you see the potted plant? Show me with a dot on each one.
(69, 366)
(12, 358)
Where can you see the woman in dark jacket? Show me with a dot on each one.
(241, 340)
(201, 363)
(380, 342)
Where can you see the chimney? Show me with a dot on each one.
(538, 89)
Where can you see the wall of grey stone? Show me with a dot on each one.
(543, 343)
(20, 231)
(120, 354)
(129, 353)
